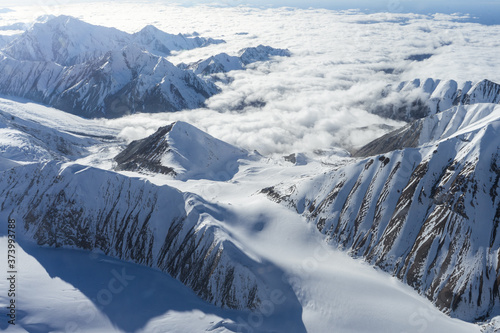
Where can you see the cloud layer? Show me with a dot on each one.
(319, 97)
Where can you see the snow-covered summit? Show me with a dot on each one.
(67, 41)
(223, 63)
(183, 151)
(161, 43)
(118, 83)
(462, 120)
(261, 53)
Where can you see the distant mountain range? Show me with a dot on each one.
(67, 41)
(416, 99)
(223, 63)
(95, 71)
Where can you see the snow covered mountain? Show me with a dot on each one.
(223, 63)
(432, 128)
(121, 82)
(236, 249)
(429, 215)
(419, 98)
(4, 40)
(68, 41)
(183, 151)
(95, 71)
(131, 219)
(182, 232)
(162, 43)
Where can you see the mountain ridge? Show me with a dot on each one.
(426, 214)
(68, 41)
(118, 83)
(420, 98)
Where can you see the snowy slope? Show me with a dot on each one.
(4, 40)
(184, 152)
(29, 141)
(60, 298)
(419, 98)
(428, 215)
(157, 226)
(228, 243)
(223, 63)
(121, 82)
(68, 41)
(455, 121)
(75, 296)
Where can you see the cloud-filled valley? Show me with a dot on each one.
(323, 94)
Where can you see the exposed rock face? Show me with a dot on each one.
(429, 215)
(183, 151)
(145, 155)
(132, 219)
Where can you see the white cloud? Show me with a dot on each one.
(319, 97)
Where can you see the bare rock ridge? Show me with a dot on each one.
(145, 155)
(429, 215)
(182, 151)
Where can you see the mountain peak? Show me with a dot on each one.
(64, 40)
(223, 63)
(261, 53)
(183, 151)
(417, 98)
(68, 41)
(484, 91)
